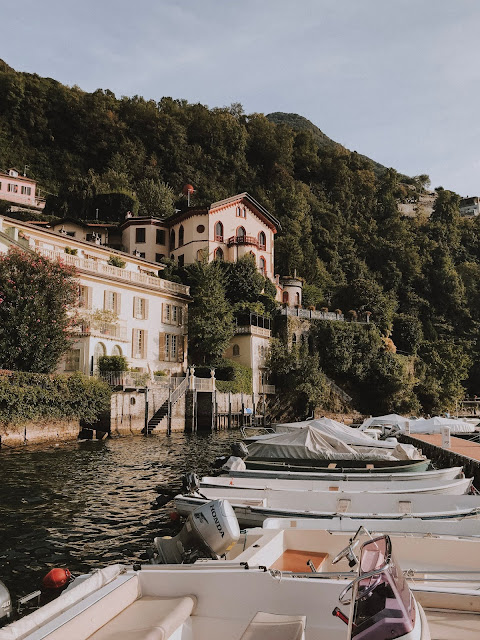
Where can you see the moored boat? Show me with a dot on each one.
(253, 506)
(388, 476)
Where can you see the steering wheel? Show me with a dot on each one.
(360, 594)
(344, 553)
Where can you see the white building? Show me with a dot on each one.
(122, 310)
(470, 207)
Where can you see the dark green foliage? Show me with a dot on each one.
(35, 294)
(112, 363)
(210, 316)
(407, 333)
(298, 377)
(234, 377)
(25, 397)
(342, 231)
(117, 261)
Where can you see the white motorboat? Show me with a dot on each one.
(252, 506)
(442, 475)
(227, 600)
(461, 526)
(457, 486)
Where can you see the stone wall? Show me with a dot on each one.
(128, 411)
(55, 431)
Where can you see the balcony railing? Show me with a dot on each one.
(268, 389)
(105, 330)
(102, 268)
(250, 240)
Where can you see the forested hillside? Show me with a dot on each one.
(341, 229)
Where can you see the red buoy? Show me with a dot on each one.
(56, 579)
(174, 516)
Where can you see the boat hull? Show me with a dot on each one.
(339, 466)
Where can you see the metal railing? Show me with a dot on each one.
(204, 384)
(268, 389)
(251, 240)
(179, 391)
(102, 330)
(102, 268)
(311, 314)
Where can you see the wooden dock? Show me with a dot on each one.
(460, 453)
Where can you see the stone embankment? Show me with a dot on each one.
(38, 432)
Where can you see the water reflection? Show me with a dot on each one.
(84, 505)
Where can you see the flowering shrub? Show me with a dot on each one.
(35, 296)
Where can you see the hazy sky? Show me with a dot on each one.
(396, 80)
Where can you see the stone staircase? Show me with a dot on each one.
(165, 410)
(156, 419)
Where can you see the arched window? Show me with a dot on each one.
(200, 254)
(236, 350)
(241, 233)
(263, 266)
(297, 299)
(99, 351)
(219, 232)
(117, 350)
(285, 297)
(180, 236)
(218, 254)
(262, 240)
(172, 239)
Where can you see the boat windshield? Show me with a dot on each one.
(383, 604)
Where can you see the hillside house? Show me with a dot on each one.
(19, 190)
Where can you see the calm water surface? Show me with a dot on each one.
(83, 505)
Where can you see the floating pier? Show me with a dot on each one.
(461, 452)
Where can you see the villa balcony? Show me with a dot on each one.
(243, 240)
(97, 267)
(106, 330)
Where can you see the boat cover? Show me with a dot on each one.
(420, 425)
(338, 430)
(311, 444)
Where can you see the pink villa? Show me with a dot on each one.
(19, 190)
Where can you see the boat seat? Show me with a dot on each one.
(296, 561)
(270, 626)
(148, 618)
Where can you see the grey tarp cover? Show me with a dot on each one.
(311, 444)
(338, 430)
(420, 425)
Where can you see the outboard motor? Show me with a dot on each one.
(190, 483)
(210, 530)
(239, 450)
(6, 609)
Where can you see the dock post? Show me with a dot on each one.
(229, 409)
(146, 411)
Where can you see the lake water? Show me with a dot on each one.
(84, 505)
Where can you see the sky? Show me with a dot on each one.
(396, 80)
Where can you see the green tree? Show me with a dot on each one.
(210, 318)
(156, 198)
(36, 295)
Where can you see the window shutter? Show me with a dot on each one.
(144, 344)
(89, 297)
(145, 309)
(179, 348)
(105, 300)
(161, 347)
(135, 306)
(134, 342)
(118, 304)
(163, 312)
(180, 316)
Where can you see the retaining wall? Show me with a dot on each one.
(128, 411)
(39, 432)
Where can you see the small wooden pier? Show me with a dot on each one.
(461, 452)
